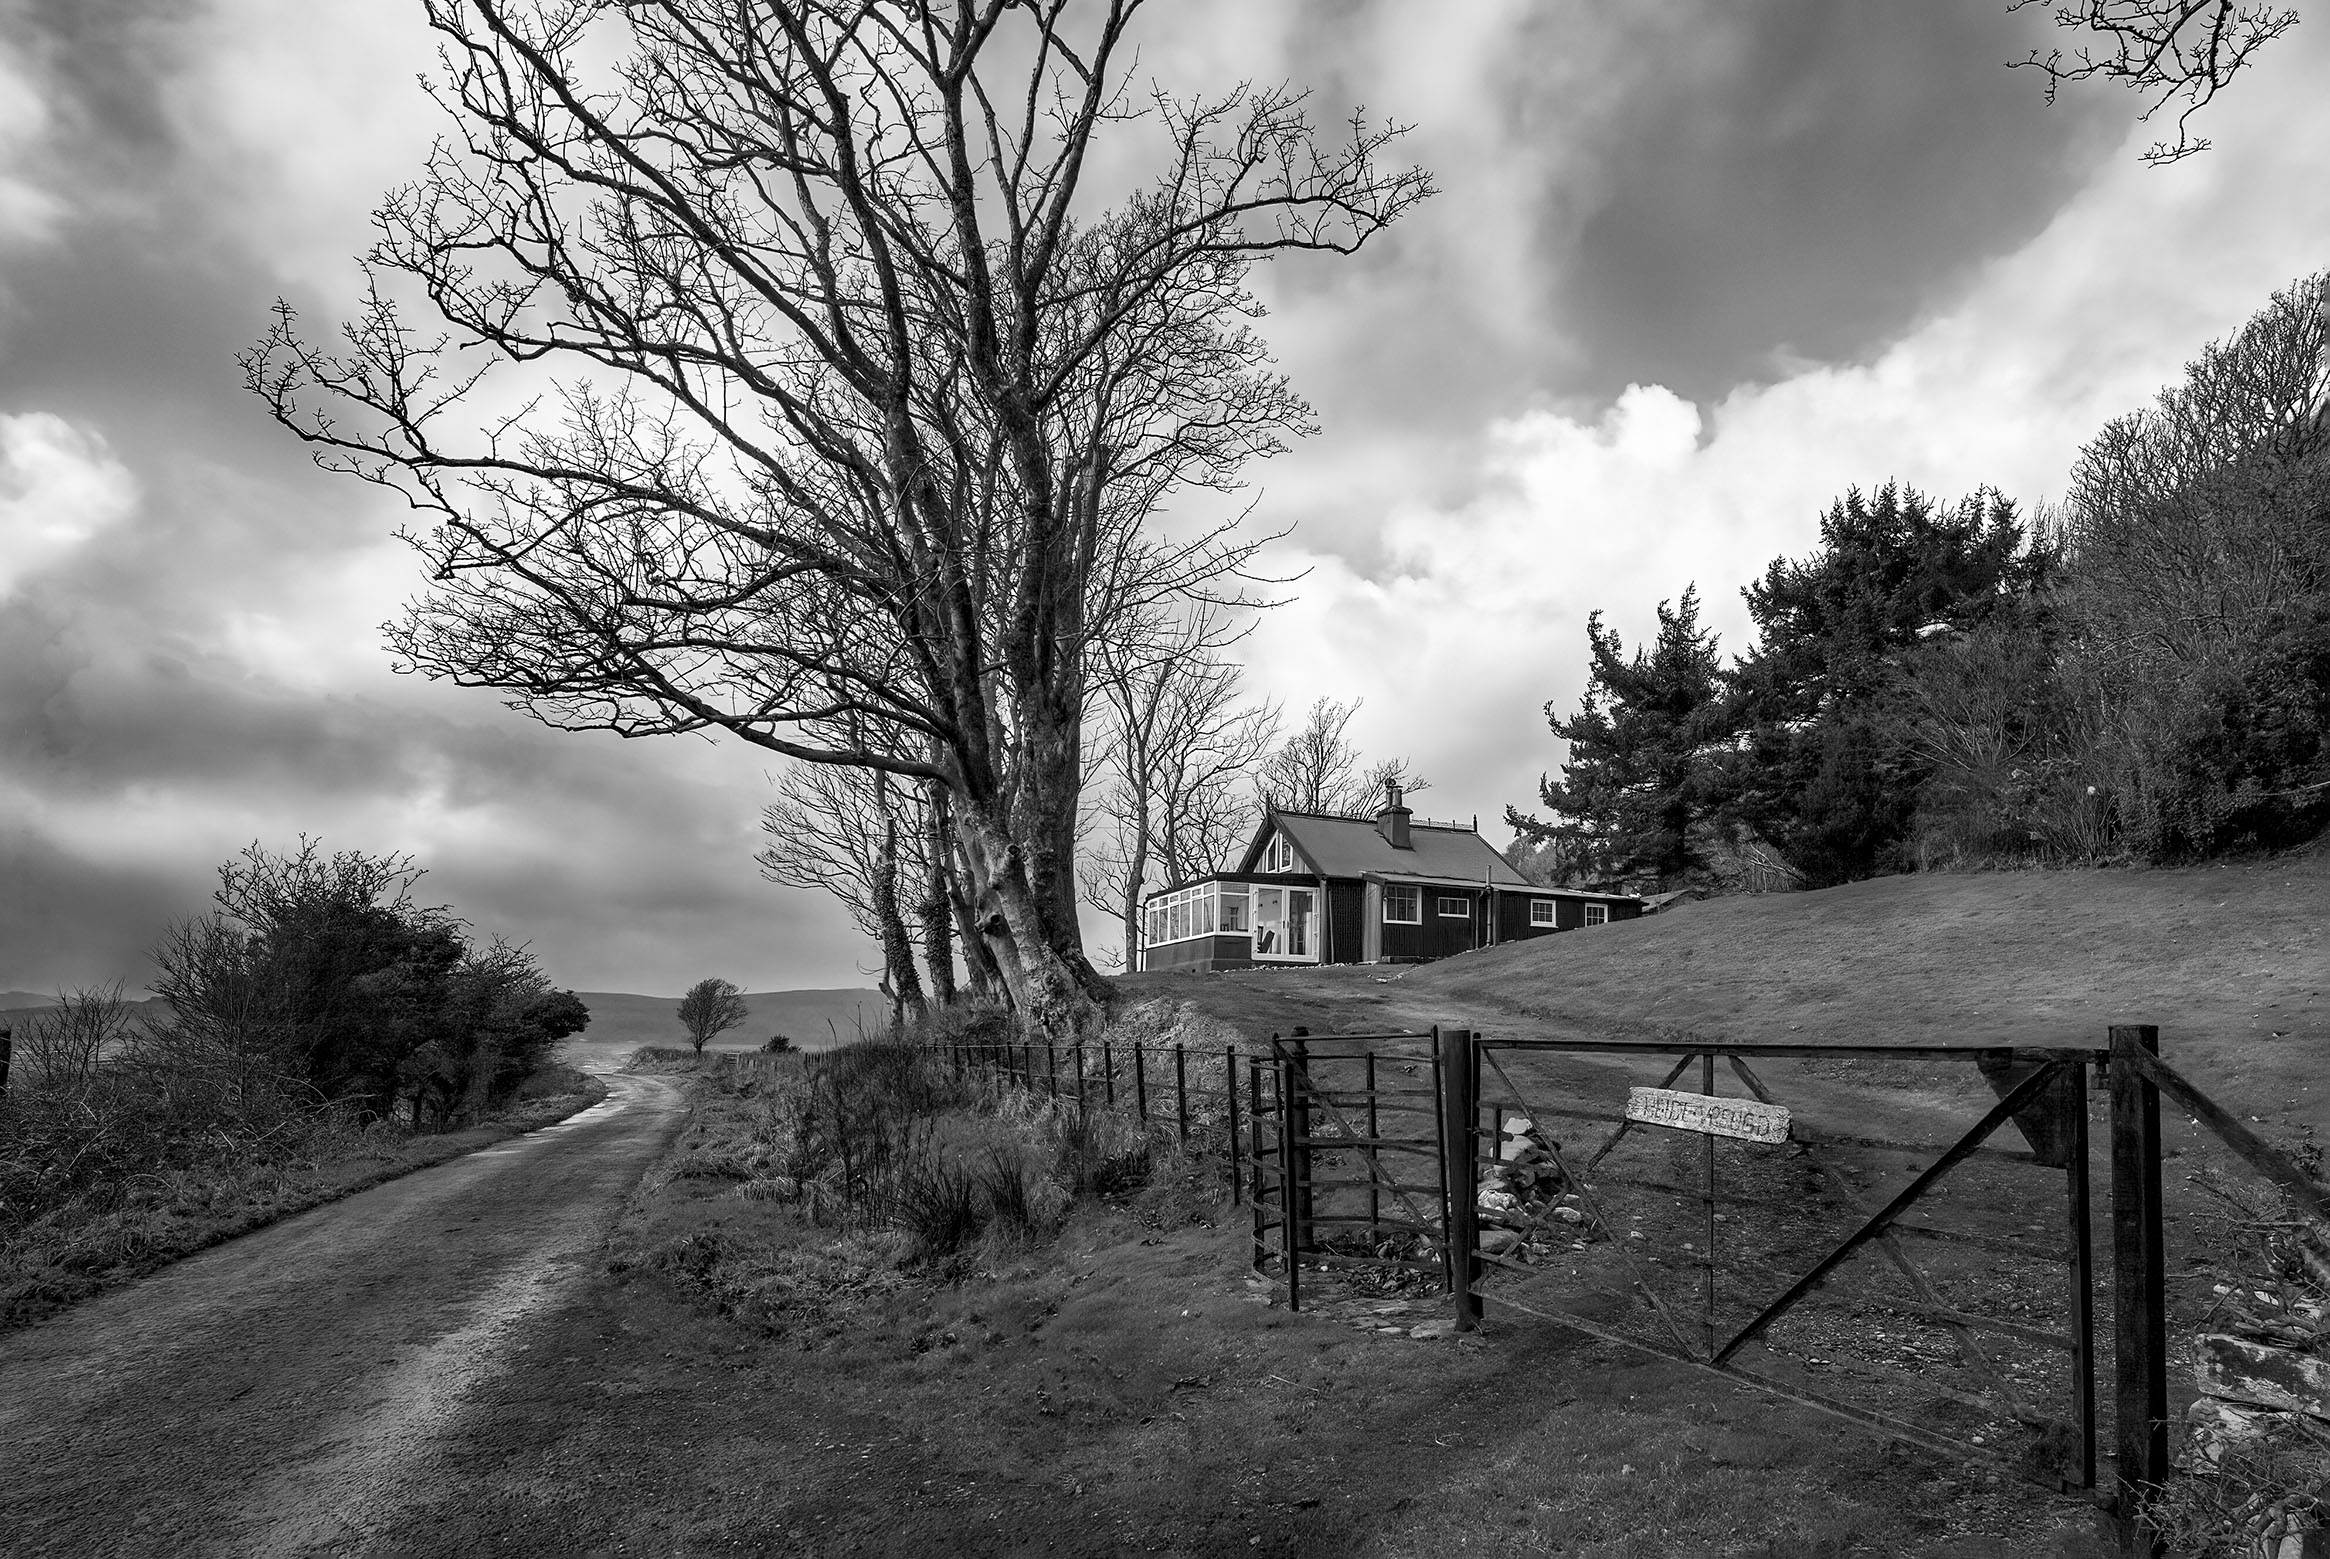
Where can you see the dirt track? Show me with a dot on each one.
(282, 1394)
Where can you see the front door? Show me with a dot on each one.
(1286, 924)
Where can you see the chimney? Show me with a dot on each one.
(1391, 820)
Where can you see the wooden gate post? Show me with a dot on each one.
(2139, 1287)
(1298, 1126)
(1459, 1124)
(7, 1049)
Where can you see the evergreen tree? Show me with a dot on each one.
(1830, 773)
(1634, 781)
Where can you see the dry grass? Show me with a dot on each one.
(117, 1170)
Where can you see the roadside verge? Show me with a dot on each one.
(36, 1283)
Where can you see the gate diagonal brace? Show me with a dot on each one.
(1302, 1074)
(1890, 1244)
(2023, 1093)
(1593, 1203)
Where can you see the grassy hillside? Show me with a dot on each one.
(621, 1022)
(2232, 962)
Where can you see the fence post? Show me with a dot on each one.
(1108, 1071)
(1289, 1236)
(2139, 1288)
(1140, 1083)
(1459, 1125)
(1181, 1090)
(1052, 1066)
(1230, 1089)
(7, 1052)
(2074, 1095)
(1374, 1187)
(1078, 1052)
(1298, 1110)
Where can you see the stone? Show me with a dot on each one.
(1569, 1215)
(2262, 1375)
(1500, 1242)
(2217, 1426)
(1502, 1203)
(1433, 1329)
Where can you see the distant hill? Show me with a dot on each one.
(621, 1022)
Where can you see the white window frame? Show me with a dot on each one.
(1415, 917)
(1229, 893)
(1278, 853)
(1189, 914)
(1544, 912)
(1463, 910)
(1597, 914)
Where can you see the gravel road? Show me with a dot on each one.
(283, 1393)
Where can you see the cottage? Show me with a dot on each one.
(1315, 889)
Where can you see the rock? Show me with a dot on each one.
(1500, 1242)
(2261, 1375)
(1432, 1329)
(2218, 1426)
(1502, 1203)
(1569, 1215)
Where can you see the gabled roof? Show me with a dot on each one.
(1351, 847)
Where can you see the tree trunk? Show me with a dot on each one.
(1136, 876)
(1052, 998)
(899, 978)
(937, 908)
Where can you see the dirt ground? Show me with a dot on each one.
(1133, 1392)
(284, 1393)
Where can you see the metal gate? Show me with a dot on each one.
(1735, 1222)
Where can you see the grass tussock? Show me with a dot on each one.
(877, 1166)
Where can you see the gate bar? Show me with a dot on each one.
(2018, 1096)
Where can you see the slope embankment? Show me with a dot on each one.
(2232, 962)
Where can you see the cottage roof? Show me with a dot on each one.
(1351, 847)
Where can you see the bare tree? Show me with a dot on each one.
(1319, 768)
(1182, 752)
(710, 1009)
(2169, 51)
(838, 829)
(839, 400)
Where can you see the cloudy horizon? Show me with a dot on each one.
(1695, 270)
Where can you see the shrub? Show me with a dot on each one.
(778, 1045)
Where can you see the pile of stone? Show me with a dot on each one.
(2264, 1378)
(1525, 1202)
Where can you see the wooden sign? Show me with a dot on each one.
(1711, 1115)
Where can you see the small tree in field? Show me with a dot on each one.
(711, 1008)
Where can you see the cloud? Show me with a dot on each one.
(1456, 618)
(59, 486)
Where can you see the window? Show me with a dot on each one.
(1278, 855)
(1456, 908)
(1233, 910)
(1541, 912)
(1597, 914)
(1403, 906)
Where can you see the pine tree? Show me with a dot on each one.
(1830, 774)
(1635, 781)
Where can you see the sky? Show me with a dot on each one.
(1695, 269)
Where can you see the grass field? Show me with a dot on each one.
(1132, 1389)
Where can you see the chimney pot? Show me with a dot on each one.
(1391, 820)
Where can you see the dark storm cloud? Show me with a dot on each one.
(207, 669)
(1800, 181)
